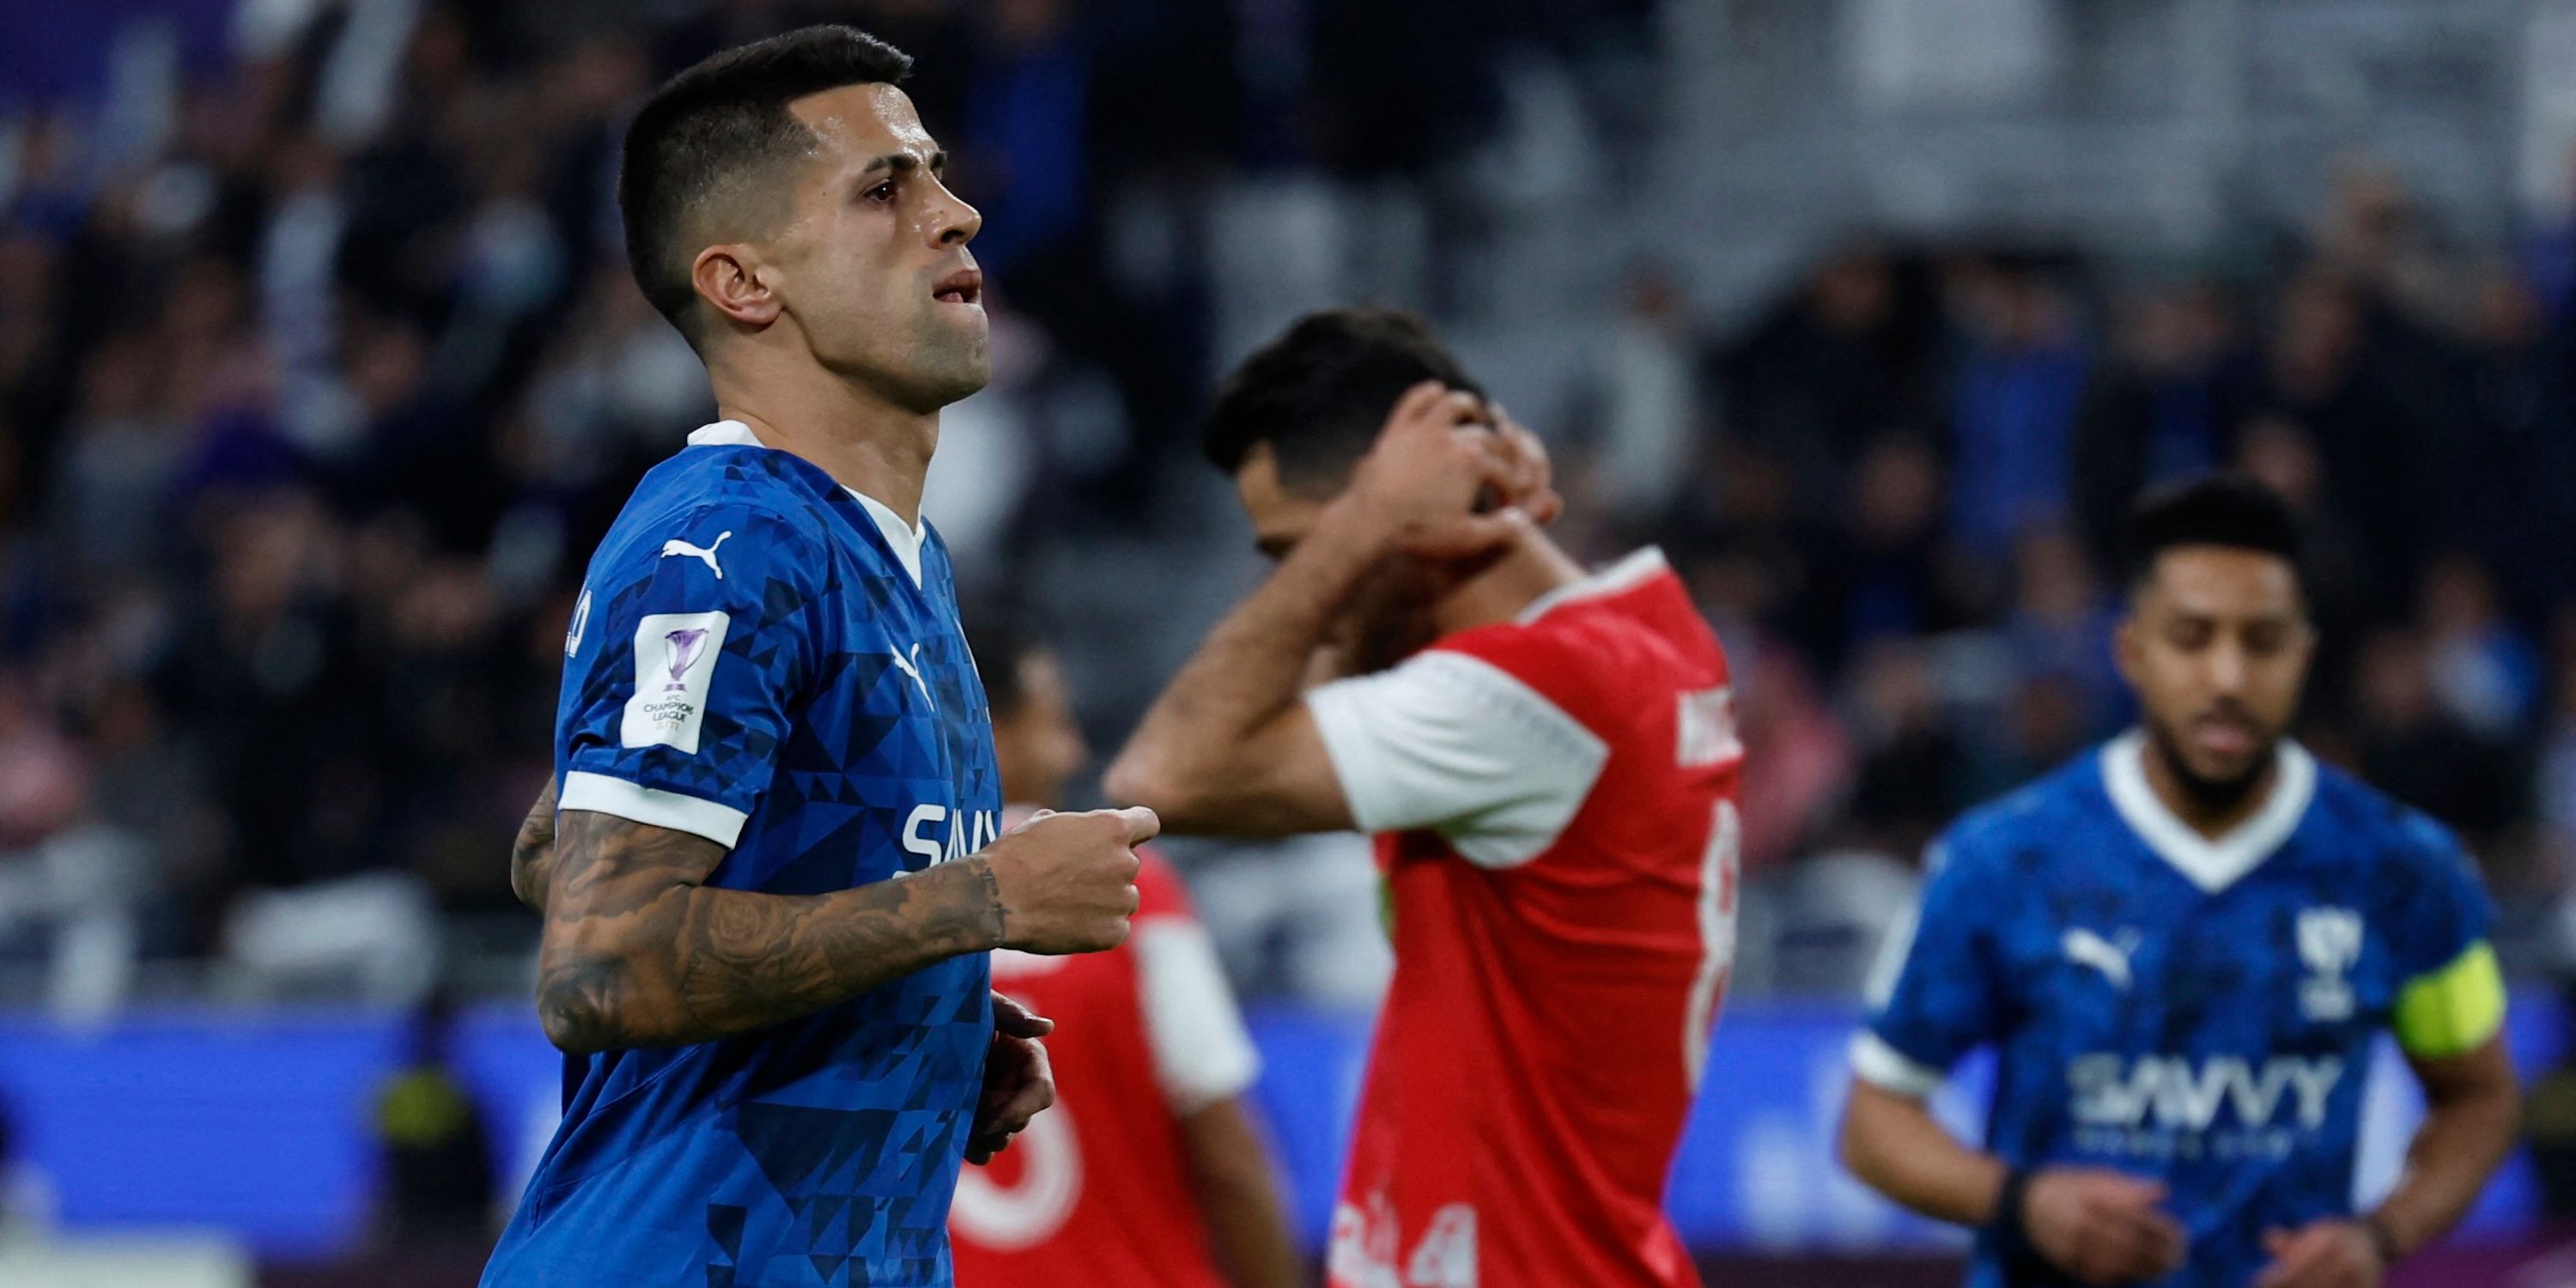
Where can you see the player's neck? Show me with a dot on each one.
(1498, 594)
(867, 444)
(2211, 819)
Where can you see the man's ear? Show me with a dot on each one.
(733, 282)
(2128, 650)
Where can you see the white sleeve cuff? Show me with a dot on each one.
(1455, 743)
(1201, 1052)
(1882, 1066)
(602, 794)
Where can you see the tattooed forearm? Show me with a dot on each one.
(639, 953)
(532, 855)
(996, 927)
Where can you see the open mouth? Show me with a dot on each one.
(965, 286)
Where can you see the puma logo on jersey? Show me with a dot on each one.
(677, 546)
(2085, 948)
(912, 667)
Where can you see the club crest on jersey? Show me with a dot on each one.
(2330, 944)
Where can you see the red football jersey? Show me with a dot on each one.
(1555, 802)
(1097, 1190)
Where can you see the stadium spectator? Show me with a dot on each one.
(2014, 416)
(2423, 754)
(2168, 402)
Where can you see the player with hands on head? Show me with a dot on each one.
(1548, 760)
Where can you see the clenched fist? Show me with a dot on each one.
(1066, 883)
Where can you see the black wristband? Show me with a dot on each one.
(2004, 1224)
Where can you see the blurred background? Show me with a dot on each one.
(321, 372)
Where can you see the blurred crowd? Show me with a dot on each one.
(320, 372)
(1906, 520)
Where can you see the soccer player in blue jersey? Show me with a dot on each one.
(774, 878)
(2182, 946)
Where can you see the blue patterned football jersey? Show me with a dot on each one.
(2192, 1011)
(764, 658)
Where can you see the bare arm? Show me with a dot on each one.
(532, 855)
(2100, 1226)
(1893, 1145)
(1228, 747)
(2474, 1109)
(639, 952)
(1239, 1197)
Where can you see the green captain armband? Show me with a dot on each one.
(2454, 1010)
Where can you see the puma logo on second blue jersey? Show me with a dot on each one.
(2085, 948)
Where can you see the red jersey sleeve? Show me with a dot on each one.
(1202, 1053)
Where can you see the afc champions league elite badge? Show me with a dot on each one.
(675, 664)
(680, 648)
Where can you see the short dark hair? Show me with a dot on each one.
(2225, 508)
(1320, 392)
(722, 128)
(1002, 651)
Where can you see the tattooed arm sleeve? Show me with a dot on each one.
(532, 855)
(638, 952)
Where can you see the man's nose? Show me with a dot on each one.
(2228, 667)
(957, 222)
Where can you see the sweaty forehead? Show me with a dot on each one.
(856, 124)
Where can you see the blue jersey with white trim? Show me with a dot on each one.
(764, 658)
(2197, 1013)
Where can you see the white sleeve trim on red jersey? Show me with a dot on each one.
(1201, 1052)
(634, 802)
(1458, 745)
(1639, 567)
(1882, 1066)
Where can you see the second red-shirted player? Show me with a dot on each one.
(1148, 1172)
(1549, 760)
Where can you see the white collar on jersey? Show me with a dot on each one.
(2211, 865)
(1627, 574)
(903, 538)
